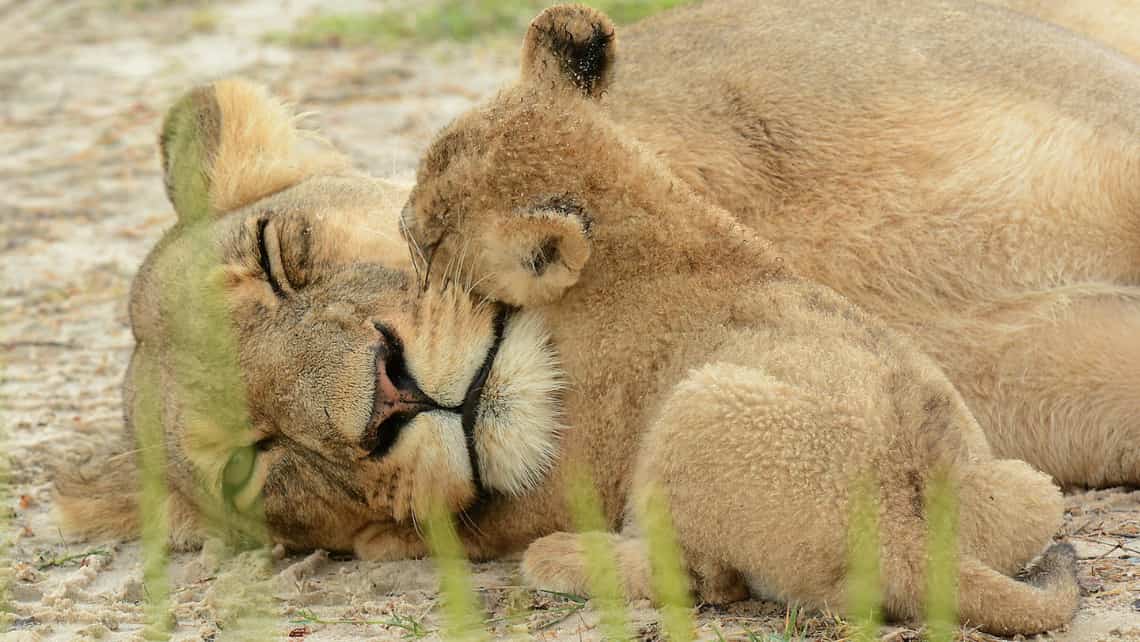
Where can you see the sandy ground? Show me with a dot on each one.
(82, 91)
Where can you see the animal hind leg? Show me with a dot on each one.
(735, 454)
(989, 600)
(1059, 387)
(753, 470)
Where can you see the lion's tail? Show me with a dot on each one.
(99, 498)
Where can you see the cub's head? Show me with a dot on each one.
(513, 189)
(290, 367)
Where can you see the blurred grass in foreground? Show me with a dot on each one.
(670, 580)
(864, 579)
(941, 558)
(463, 619)
(606, 590)
(457, 20)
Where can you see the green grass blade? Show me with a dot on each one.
(463, 618)
(864, 583)
(670, 579)
(203, 373)
(605, 583)
(942, 559)
(454, 20)
(153, 497)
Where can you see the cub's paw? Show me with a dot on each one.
(533, 256)
(521, 256)
(560, 562)
(556, 563)
(1056, 572)
(1057, 567)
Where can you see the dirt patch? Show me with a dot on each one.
(85, 86)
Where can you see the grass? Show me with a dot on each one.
(670, 581)
(64, 560)
(864, 582)
(942, 559)
(457, 20)
(204, 20)
(153, 496)
(209, 385)
(601, 564)
(412, 628)
(463, 618)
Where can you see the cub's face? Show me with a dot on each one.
(511, 190)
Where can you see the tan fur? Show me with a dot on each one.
(970, 175)
(1115, 23)
(755, 400)
(261, 153)
(968, 203)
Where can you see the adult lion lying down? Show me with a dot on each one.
(677, 347)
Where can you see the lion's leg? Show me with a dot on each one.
(1062, 391)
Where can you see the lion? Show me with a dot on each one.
(1113, 22)
(753, 398)
(968, 174)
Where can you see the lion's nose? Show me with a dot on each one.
(396, 391)
(397, 397)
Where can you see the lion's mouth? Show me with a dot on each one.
(398, 397)
(469, 409)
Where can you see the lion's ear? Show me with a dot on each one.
(570, 46)
(228, 144)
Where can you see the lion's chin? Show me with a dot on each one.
(518, 425)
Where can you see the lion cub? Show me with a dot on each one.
(758, 400)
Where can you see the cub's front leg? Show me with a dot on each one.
(523, 257)
(558, 562)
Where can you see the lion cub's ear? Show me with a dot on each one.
(538, 253)
(228, 144)
(570, 46)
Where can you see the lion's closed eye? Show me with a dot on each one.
(244, 474)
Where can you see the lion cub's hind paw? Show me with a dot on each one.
(1056, 567)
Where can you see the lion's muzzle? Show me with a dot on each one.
(397, 397)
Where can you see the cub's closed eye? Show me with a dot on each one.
(265, 257)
